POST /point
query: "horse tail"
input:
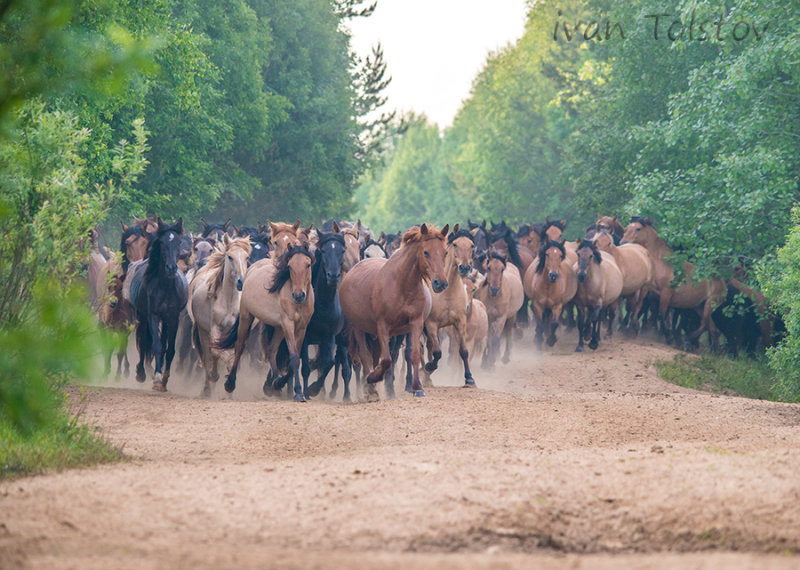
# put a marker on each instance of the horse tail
(144, 341)
(198, 346)
(229, 340)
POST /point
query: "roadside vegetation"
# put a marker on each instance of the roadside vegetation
(744, 376)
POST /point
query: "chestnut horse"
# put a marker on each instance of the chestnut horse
(214, 295)
(388, 297)
(352, 249)
(450, 307)
(637, 271)
(502, 295)
(279, 294)
(702, 296)
(282, 235)
(599, 287)
(550, 283)
(611, 225)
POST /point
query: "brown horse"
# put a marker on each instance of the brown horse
(611, 225)
(637, 271)
(282, 235)
(550, 283)
(599, 287)
(702, 296)
(554, 231)
(352, 249)
(114, 312)
(388, 297)
(502, 295)
(449, 308)
(279, 294)
(214, 297)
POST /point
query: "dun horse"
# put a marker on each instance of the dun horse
(550, 283)
(388, 297)
(215, 294)
(450, 307)
(701, 296)
(158, 293)
(279, 294)
(503, 296)
(599, 287)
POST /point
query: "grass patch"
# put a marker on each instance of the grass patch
(61, 444)
(720, 374)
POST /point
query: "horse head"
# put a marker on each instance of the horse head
(430, 251)
(640, 231)
(202, 248)
(554, 230)
(587, 250)
(330, 253)
(603, 240)
(133, 244)
(237, 253)
(260, 246)
(461, 248)
(551, 254)
(495, 266)
(164, 249)
(283, 235)
(215, 230)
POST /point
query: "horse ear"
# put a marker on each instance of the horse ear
(203, 223)
(423, 229)
(382, 237)
(455, 229)
(226, 225)
(445, 229)
(296, 225)
(336, 228)
(483, 225)
(563, 224)
(474, 231)
(262, 228)
(225, 239)
(180, 225)
(271, 227)
(161, 225)
(309, 228)
(358, 224)
(124, 227)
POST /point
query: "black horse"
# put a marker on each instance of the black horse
(328, 321)
(159, 292)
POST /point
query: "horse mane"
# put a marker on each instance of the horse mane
(215, 262)
(543, 249)
(524, 230)
(323, 238)
(644, 220)
(550, 223)
(134, 230)
(282, 273)
(511, 243)
(459, 234)
(591, 245)
(496, 255)
(414, 234)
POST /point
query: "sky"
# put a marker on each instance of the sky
(435, 48)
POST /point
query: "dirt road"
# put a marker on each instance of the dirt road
(560, 460)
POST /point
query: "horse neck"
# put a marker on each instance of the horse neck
(228, 292)
(319, 282)
(155, 262)
(405, 265)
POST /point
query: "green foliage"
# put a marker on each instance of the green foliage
(64, 443)
(721, 374)
(780, 278)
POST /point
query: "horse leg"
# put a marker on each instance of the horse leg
(611, 312)
(343, 363)
(157, 351)
(305, 368)
(170, 331)
(460, 335)
(385, 358)
(407, 358)
(581, 324)
(551, 338)
(416, 333)
(294, 342)
(595, 341)
(245, 320)
(538, 315)
(326, 360)
(434, 347)
(508, 330)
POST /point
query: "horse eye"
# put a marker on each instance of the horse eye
(231, 258)
(427, 254)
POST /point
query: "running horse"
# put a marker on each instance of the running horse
(279, 294)
(702, 296)
(388, 297)
(158, 292)
(215, 294)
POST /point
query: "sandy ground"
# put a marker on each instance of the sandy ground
(558, 460)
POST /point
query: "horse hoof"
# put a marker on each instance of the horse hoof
(593, 345)
(551, 341)
(469, 383)
(419, 393)
(430, 366)
(159, 387)
(299, 398)
(579, 349)
(313, 391)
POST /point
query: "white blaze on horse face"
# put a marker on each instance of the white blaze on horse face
(171, 236)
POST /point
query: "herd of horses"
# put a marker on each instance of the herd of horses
(275, 290)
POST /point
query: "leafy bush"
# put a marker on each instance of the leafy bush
(746, 376)
(780, 278)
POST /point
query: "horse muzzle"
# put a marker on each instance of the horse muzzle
(438, 286)
(299, 298)
(553, 277)
(463, 270)
(332, 278)
(494, 291)
(581, 277)
(239, 283)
